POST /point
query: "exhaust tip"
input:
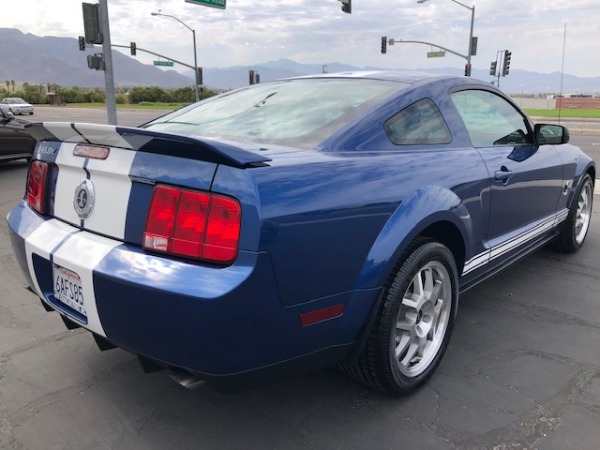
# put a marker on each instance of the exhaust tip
(187, 380)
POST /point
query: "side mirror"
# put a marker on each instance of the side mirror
(550, 134)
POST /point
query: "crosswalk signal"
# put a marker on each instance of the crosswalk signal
(82, 43)
(133, 48)
(506, 66)
(96, 61)
(467, 70)
(493, 67)
(383, 44)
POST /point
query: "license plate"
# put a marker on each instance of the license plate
(68, 289)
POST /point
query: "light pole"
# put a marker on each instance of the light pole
(195, 58)
(472, 9)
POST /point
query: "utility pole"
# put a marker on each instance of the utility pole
(97, 31)
(197, 81)
(472, 49)
(109, 79)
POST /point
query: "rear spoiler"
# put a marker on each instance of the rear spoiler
(142, 140)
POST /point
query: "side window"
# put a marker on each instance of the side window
(491, 120)
(419, 123)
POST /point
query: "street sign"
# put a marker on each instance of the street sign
(212, 3)
(164, 63)
(438, 54)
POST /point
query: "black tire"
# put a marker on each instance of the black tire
(417, 325)
(574, 229)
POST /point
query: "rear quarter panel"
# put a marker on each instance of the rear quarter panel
(334, 223)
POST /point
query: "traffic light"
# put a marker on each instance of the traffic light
(347, 6)
(383, 44)
(506, 66)
(82, 43)
(467, 70)
(493, 67)
(251, 76)
(133, 48)
(200, 80)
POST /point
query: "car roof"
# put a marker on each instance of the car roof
(405, 77)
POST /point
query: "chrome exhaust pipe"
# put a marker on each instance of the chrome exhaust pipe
(187, 380)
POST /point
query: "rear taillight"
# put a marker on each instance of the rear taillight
(36, 186)
(193, 224)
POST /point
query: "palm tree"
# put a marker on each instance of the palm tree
(7, 82)
(12, 82)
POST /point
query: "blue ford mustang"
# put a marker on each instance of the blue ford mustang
(287, 226)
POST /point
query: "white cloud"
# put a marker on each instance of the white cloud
(316, 31)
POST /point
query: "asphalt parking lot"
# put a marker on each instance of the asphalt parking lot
(522, 372)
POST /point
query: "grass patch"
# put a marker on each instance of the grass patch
(577, 113)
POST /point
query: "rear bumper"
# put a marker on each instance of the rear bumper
(214, 322)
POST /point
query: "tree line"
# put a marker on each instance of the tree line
(46, 93)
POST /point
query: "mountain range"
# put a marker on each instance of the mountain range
(58, 60)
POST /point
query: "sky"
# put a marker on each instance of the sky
(539, 33)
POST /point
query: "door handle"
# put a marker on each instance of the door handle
(503, 174)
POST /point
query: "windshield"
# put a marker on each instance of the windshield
(16, 101)
(301, 112)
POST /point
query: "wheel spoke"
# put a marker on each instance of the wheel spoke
(428, 284)
(417, 286)
(435, 292)
(412, 351)
(415, 293)
(405, 340)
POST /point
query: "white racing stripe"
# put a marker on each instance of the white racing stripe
(113, 186)
(78, 251)
(70, 174)
(84, 251)
(500, 249)
(42, 241)
(87, 132)
(67, 246)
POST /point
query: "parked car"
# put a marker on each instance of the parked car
(15, 142)
(17, 105)
(294, 225)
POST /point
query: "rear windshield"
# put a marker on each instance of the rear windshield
(301, 112)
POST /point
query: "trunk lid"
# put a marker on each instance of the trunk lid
(102, 177)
